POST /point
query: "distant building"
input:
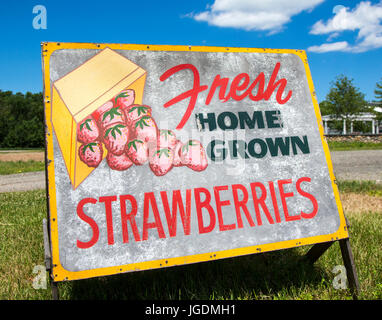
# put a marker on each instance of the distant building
(376, 126)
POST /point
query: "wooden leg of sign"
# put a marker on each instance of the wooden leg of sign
(317, 251)
(48, 260)
(54, 288)
(347, 257)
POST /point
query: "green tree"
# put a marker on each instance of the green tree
(344, 99)
(21, 120)
(378, 91)
(325, 108)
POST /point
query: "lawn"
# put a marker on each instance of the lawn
(272, 275)
(12, 167)
(353, 145)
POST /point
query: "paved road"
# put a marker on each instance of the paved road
(22, 181)
(348, 165)
(358, 165)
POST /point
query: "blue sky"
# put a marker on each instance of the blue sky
(339, 37)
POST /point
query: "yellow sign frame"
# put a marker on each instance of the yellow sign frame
(59, 273)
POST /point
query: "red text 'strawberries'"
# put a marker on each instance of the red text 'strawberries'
(194, 156)
(91, 154)
(161, 161)
(119, 163)
(137, 151)
(116, 138)
(136, 112)
(87, 130)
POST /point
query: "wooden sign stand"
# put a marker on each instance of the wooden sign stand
(347, 256)
(48, 259)
(315, 252)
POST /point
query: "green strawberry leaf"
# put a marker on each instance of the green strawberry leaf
(121, 95)
(117, 126)
(166, 133)
(113, 129)
(86, 123)
(90, 146)
(140, 110)
(112, 112)
(189, 143)
(108, 131)
(133, 143)
(141, 122)
(163, 151)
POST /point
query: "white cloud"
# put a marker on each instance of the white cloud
(327, 47)
(265, 15)
(366, 19)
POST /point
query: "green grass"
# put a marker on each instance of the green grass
(363, 187)
(353, 145)
(274, 275)
(10, 150)
(12, 167)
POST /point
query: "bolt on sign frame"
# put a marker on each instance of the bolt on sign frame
(235, 163)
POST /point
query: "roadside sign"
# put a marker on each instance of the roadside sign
(168, 155)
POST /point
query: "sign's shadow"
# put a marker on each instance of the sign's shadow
(259, 276)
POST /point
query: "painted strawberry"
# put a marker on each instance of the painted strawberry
(116, 138)
(161, 161)
(145, 129)
(109, 115)
(124, 99)
(120, 163)
(101, 110)
(193, 155)
(87, 130)
(177, 160)
(136, 112)
(137, 151)
(114, 116)
(167, 139)
(91, 153)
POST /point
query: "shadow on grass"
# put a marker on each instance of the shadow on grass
(259, 276)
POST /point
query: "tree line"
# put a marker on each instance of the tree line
(22, 115)
(21, 120)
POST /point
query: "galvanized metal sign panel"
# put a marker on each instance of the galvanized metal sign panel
(168, 155)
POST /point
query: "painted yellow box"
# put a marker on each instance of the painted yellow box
(82, 91)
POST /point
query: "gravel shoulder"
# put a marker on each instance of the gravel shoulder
(15, 155)
(348, 165)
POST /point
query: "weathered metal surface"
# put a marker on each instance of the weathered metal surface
(232, 233)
